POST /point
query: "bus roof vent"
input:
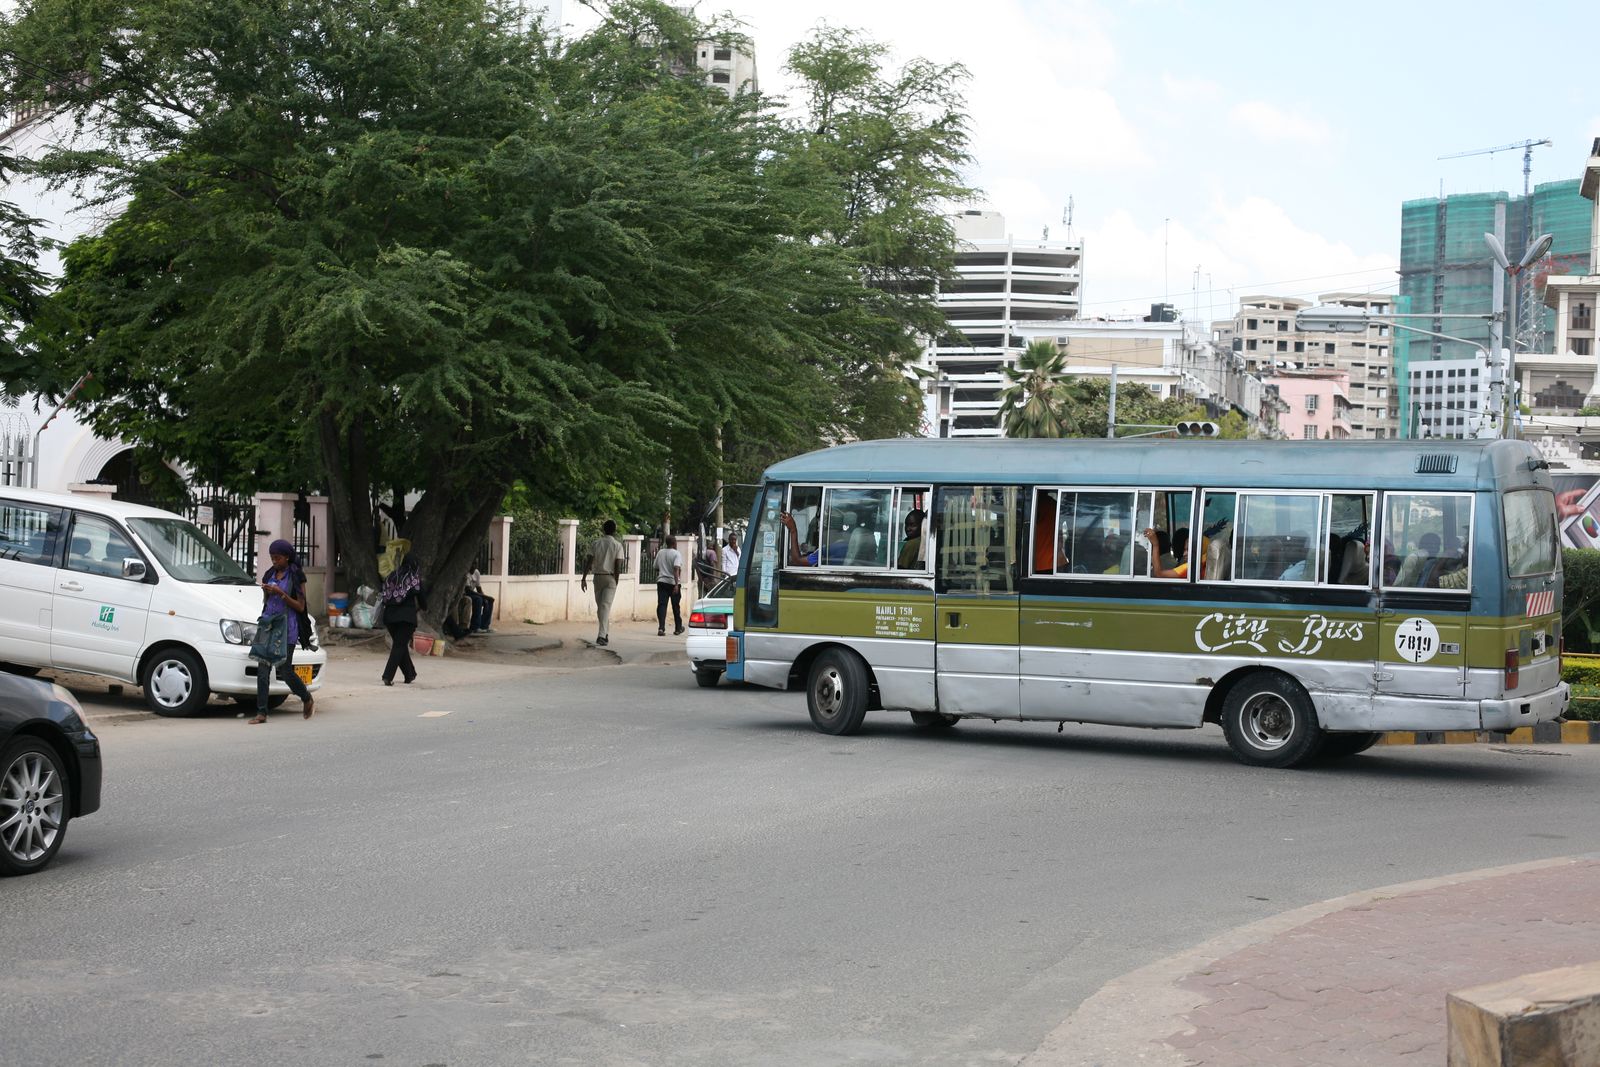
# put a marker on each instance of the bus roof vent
(1436, 463)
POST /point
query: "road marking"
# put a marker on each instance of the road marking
(432, 714)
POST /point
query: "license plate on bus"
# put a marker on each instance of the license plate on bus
(304, 672)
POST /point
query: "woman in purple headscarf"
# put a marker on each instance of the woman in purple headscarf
(283, 590)
(402, 596)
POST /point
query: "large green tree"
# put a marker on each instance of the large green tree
(1040, 399)
(411, 249)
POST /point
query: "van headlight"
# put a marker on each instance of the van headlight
(237, 632)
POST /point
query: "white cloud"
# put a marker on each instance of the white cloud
(1271, 123)
(1247, 246)
(1190, 90)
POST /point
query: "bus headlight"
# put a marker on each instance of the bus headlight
(237, 632)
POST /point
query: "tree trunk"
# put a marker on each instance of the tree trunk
(349, 499)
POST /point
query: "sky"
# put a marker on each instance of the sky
(1213, 148)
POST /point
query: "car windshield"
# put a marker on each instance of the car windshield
(723, 590)
(187, 553)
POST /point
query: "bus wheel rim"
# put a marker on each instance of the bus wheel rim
(829, 693)
(1268, 721)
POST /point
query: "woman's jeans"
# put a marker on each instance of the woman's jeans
(285, 674)
(400, 651)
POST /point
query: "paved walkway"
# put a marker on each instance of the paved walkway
(1357, 980)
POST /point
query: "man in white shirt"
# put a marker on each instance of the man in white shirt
(669, 587)
(606, 559)
(730, 555)
(482, 604)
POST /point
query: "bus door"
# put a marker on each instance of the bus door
(976, 601)
(1426, 581)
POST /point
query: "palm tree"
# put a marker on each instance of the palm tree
(1040, 400)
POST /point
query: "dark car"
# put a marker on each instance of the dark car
(49, 770)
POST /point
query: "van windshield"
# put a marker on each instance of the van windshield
(187, 553)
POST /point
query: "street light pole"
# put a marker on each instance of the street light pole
(1536, 250)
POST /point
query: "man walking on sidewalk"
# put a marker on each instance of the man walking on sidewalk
(669, 586)
(605, 559)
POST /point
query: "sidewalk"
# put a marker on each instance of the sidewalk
(1359, 980)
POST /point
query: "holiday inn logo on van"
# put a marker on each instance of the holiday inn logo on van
(108, 618)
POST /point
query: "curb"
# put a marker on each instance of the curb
(1544, 733)
(1125, 1021)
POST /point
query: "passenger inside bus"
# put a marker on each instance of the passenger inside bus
(1179, 567)
(910, 557)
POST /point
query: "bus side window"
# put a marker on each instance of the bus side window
(1425, 539)
(1215, 546)
(977, 527)
(1044, 531)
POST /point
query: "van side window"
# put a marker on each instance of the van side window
(28, 532)
(98, 547)
(1425, 541)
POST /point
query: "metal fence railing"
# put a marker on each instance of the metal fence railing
(535, 550)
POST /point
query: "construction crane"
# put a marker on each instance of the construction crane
(1527, 156)
(1527, 318)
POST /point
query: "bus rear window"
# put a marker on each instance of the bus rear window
(1530, 532)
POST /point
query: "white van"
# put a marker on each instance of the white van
(130, 593)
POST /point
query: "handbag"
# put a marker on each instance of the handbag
(271, 645)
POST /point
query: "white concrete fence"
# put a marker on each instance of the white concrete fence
(517, 597)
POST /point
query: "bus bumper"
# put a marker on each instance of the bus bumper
(1525, 711)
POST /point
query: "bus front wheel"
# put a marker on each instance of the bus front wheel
(836, 692)
(1269, 722)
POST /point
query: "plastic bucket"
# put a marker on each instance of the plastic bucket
(422, 644)
(339, 602)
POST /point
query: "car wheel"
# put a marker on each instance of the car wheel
(175, 683)
(934, 719)
(707, 677)
(33, 806)
(1269, 722)
(1339, 746)
(836, 692)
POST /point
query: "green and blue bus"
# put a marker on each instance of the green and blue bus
(1306, 596)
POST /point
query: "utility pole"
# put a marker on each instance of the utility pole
(1111, 405)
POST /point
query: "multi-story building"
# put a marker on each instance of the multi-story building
(1446, 267)
(1264, 335)
(1452, 397)
(1574, 297)
(1317, 404)
(1000, 284)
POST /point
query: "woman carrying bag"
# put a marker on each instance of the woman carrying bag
(283, 592)
(402, 597)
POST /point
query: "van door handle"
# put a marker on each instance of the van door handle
(955, 620)
(72, 587)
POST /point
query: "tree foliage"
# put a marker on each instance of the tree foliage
(20, 280)
(414, 249)
(1040, 399)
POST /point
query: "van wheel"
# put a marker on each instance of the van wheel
(1269, 722)
(1338, 746)
(175, 683)
(707, 677)
(934, 719)
(836, 692)
(33, 805)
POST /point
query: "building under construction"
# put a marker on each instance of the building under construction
(1446, 267)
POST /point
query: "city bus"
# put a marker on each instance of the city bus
(1305, 596)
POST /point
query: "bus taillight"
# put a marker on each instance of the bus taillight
(1512, 669)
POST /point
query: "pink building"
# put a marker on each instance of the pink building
(1319, 404)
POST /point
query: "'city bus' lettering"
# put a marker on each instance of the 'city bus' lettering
(1222, 630)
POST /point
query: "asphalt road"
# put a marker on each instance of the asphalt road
(612, 866)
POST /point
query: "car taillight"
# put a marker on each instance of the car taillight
(1512, 670)
(698, 618)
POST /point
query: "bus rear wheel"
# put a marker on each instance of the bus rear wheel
(1269, 722)
(836, 692)
(934, 719)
